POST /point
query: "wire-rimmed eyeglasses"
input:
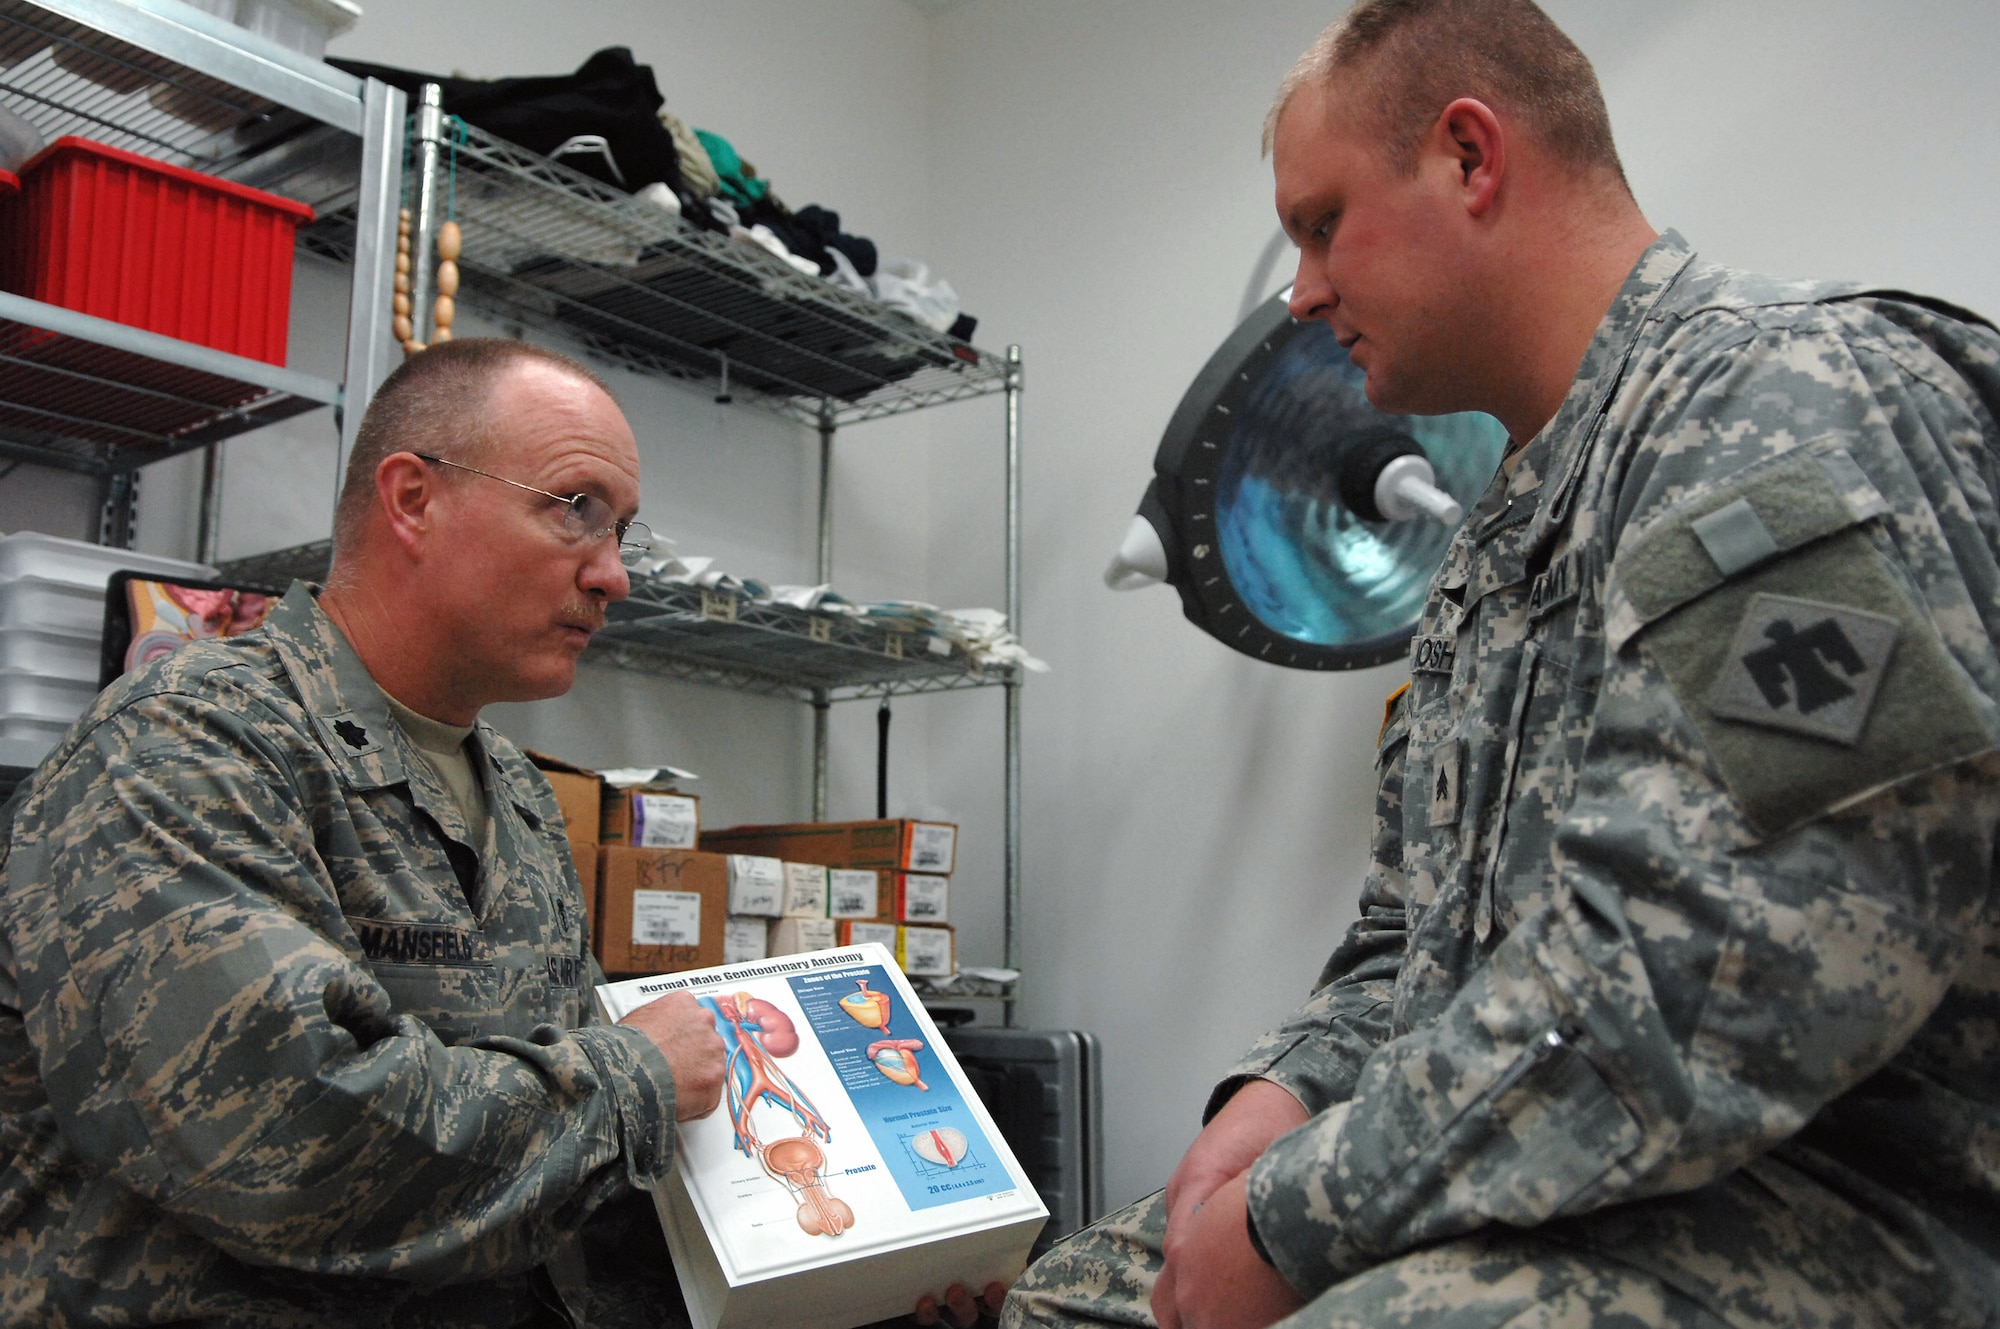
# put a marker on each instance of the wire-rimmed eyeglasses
(586, 517)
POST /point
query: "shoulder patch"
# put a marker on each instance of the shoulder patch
(1816, 680)
(1805, 666)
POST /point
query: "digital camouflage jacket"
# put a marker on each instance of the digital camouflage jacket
(1684, 850)
(280, 1045)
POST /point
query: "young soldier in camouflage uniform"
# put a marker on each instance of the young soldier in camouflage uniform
(295, 1009)
(1675, 997)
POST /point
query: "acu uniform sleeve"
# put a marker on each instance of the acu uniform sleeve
(208, 1043)
(1754, 910)
(1318, 1050)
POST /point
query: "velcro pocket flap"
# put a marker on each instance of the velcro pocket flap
(1766, 509)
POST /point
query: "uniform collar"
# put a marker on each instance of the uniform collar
(347, 706)
(335, 687)
(1551, 464)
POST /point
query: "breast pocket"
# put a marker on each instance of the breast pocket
(457, 1003)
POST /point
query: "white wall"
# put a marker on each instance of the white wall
(1086, 174)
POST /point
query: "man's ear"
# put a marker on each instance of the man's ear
(1469, 132)
(405, 488)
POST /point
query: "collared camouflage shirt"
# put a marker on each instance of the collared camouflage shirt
(1684, 850)
(279, 1042)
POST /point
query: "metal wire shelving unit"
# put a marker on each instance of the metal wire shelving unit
(172, 82)
(643, 289)
(732, 640)
(648, 291)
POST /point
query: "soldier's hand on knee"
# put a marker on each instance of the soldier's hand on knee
(959, 1307)
(684, 1032)
(1235, 1138)
(1213, 1278)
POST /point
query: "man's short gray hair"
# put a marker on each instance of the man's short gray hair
(434, 402)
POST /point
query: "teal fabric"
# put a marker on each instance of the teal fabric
(738, 186)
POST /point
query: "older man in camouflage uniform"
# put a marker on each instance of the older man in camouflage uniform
(1675, 998)
(295, 1013)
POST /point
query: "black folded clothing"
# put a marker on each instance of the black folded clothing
(825, 223)
(610, 95)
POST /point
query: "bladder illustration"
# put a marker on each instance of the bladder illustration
(866, 1007)
(894, 1057)
(757, 1033)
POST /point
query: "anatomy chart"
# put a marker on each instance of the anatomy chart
(846, 1127)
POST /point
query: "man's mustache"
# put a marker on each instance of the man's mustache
(583, 615)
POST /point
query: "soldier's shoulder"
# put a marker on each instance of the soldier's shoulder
(1713, 308)
(211, 686)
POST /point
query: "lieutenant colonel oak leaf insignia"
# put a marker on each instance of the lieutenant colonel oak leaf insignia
(351, 734)
(1806, 667)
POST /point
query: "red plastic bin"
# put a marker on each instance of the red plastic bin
(126, 238)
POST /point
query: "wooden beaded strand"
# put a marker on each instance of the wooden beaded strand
(450, 243)
(402, 326)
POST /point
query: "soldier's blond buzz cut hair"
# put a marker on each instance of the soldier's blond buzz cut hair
(1404, 61)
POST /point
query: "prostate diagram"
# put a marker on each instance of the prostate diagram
(758, 1035)
(894, 1057)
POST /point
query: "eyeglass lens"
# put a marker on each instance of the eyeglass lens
(587, 517)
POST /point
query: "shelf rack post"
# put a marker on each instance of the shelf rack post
(822, 705)
(208, 527)
(424, 216)
(370, 317)
(1012, 921)
(826, 428)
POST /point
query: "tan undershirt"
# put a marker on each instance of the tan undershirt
(443, 746)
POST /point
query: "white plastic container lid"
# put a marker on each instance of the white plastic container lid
(77, 563)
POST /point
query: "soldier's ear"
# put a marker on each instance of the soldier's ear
(405, 488)
(1470, 135)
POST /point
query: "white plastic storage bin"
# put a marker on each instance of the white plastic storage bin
(302, 25)
(35, 712)
(53, 606)
(71, 655)
(51, 558)
(39, 697)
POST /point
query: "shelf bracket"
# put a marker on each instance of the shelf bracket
(118, 519)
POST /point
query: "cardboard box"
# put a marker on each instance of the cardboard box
(651, 818)
(861, 893)
(791, 936)
(927, 952)
(805, 891)
(660, 910)
(896, 844)
(922, 898)
(756, 886)
(860, 933)
(745, 939)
